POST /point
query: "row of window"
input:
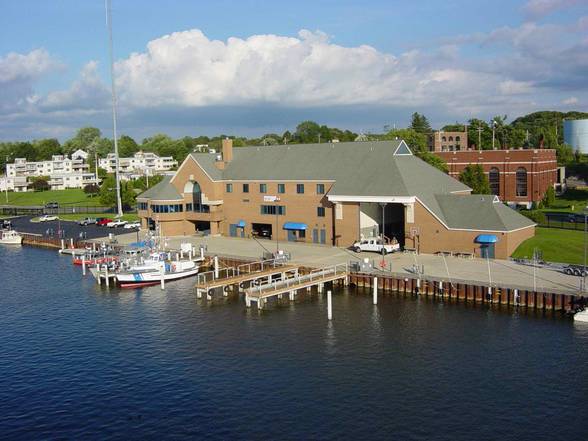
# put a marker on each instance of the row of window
(173, 208)
(520, 181)
(320, 188)
(281, 210)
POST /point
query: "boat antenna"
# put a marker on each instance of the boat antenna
(113, 89)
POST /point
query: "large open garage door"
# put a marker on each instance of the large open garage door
(372, 217)
(263, 231)
(394, 222)
(201, 227)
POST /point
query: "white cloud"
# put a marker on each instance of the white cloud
(511, 87)
(540, 8)
(571, 101)
(19, 67)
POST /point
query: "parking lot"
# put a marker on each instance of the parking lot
(70, 229)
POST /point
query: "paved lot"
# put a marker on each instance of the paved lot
(502, 272)
(71, 229)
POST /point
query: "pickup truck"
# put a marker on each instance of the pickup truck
(376, 245)
(87, 221)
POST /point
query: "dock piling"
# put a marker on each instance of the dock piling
(83, 264)
(161, 274)
(329, 305)
(375, 294)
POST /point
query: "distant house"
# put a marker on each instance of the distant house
(141, 164)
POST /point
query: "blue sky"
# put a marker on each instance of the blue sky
(252, 67)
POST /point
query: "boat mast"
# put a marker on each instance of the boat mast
(110, 51)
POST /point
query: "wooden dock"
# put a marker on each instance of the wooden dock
(262, 293)
(240, 276)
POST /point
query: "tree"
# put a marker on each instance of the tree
(127, 146)
(307, 132)
(434, 160)
(565, 154)
(40, 183)
(91, 189)
(549, 198)
(83, 139)
(108, 192)
(46, 148)
(416, 141)
(420, 123)
(474, 177)
(141, 182)
(517, 138)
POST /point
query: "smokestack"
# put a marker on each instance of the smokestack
(227, 150)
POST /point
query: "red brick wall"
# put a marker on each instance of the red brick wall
(541, 166)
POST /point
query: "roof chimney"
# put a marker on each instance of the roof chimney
(227, 150)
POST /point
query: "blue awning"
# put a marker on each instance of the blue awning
(295, 226)
(486, 238)
(241, 224)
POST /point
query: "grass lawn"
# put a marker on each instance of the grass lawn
(72, 196)
(572, 201)
(75, 217)
(557, 245)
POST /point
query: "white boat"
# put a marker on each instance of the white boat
(10, 237)
(136, 278)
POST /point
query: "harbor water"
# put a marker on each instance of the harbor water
(78, 361)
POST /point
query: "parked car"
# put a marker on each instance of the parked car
(87, 221)
(377, 245)
(263, 233)
(132, 225)
(575, 270)
(52, 205)
(116, 223)
(103, 221)
(48, 218)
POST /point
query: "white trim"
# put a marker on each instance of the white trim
(276, 181)
(376, 199)
(481, 162)
(197, 163)
(402, 154)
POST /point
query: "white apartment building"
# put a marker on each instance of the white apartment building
(141, 164)
(63, 172)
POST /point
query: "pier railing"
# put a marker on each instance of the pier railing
(245, 268)
(315, 276)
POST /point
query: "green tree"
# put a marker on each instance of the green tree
(420, 124)
(517, 138)
(565, 154)
(46, 148)
(307, 132)
(434, 160)
(108, 192)
(474, 177)
(127, 146)
(40, 183)
(415, 140)
(479, 134)
(141, 182)
(549, 198)
(83, 139)
(92, 189)
(24, 150)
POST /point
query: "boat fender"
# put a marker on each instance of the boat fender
(173, 267)
(226, 288)
(242, 285)
(257, 282)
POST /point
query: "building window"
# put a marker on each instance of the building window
(444, 139)
(451, 138)
(282, 188)
(197, 205)
(521, 178)
(320, 188)
(494, 178)
(457, 139)
(229, 188)
(245, 188)
(271, 209)
(301, 234)
(188, 207)
(263, 188)
(320, 211)
(300, 188)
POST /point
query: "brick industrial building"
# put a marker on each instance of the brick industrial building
(331, 193)
(518, 177)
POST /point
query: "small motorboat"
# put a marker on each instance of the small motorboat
(136, 278)
(10, 237)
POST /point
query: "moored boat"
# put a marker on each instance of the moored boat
(10, 237)
(136, 278)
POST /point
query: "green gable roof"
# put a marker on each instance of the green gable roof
(480, 212)
(163, 191)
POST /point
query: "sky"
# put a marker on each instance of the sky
(253, 67)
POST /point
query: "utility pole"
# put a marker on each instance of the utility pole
(479, 137)
(6, 179)
(493, 133)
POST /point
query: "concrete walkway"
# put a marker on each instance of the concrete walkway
(502, 272)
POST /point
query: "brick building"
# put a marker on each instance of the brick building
(331, 193)
(441, 141)
(517, 177)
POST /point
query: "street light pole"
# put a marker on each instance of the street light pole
(277, 221)
(585, 244)
(6, 179)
